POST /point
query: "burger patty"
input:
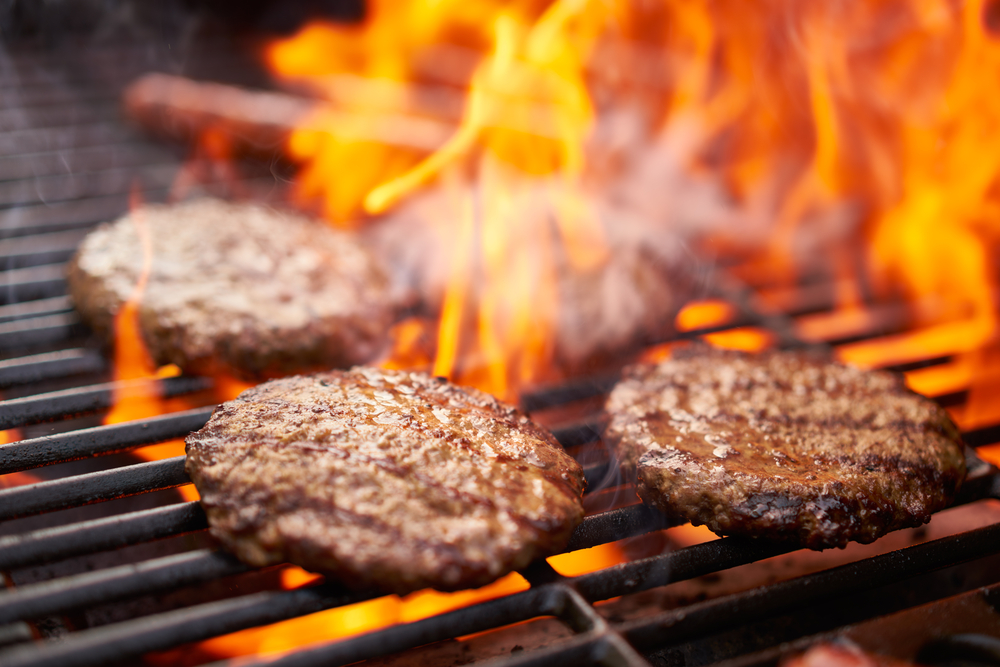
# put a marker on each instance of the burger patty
(385, 479)
(237, 288)
(783, 445)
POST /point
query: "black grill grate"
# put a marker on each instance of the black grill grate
(67, 162)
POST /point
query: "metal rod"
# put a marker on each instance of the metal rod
(60, 216)
(578, 434)
(617, 524)
(27, 454)
(35, 368)
(36, 282)
(39, 330)
(115, 583)
(60, 404)
(85, 537)
(121, 641)
(62, 187)
(92, 488)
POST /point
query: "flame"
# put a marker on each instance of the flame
(412, 347)
(136, 394)
(210, 161)
(575, 563)
(525, 121)
(14, 478)
(514, 163)
(350, 620)
(704, 314)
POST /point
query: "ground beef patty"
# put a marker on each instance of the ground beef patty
(236, 287)
(384, 478)
(784, 445)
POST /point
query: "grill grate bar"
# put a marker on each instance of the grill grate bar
(92, 488)
(39, 330)
(579, 650)
(89, 211)
(567, 393)
(617, 524)
(116, 583)
(51, 306)
(595, 475)
(578, 434)
(59, 115)
(56, 241)
(105, 157)
(60, 404)
(730, 611)
(43, 140)
(82, 443)
(683, 564)
(94, 183)
(47, 94)
(52, 544)
(130, 639)
(63, 363)
(60, 216)
(34, 282)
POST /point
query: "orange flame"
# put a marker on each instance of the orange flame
(14, 478)
(136, 394)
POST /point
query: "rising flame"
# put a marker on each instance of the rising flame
(514, 162)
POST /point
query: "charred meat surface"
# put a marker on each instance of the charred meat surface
(784, 445)
(388, 479)
(237, 288)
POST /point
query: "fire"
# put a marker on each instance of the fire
(347, 621)
(15, 478)
(514, 162)
(137, 395)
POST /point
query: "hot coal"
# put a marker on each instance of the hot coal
(237, 288)
(784, 445)
(384, 479)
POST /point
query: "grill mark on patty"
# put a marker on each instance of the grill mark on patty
(297, 428)
(769, 440)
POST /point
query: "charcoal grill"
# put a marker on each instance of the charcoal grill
(104, 564)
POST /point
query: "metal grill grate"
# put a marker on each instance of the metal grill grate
(55, 381)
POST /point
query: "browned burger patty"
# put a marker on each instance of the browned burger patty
(785, 446)
(384, 478)
(236, 287)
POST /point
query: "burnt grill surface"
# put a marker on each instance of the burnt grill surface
(104, 562)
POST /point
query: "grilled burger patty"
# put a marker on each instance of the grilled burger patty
(236, 287)
(784, 445)
(389, 479)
